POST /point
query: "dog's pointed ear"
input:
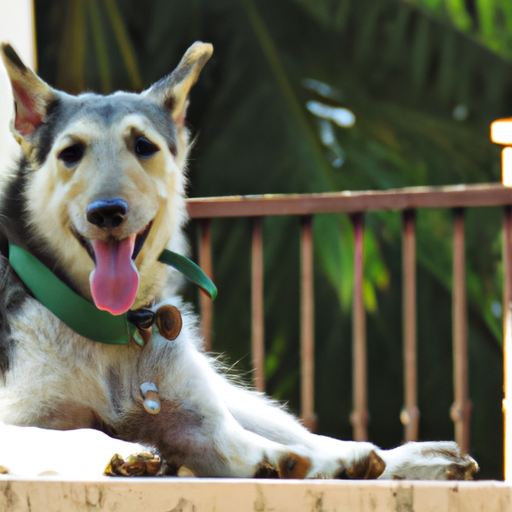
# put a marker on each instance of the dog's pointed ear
(32, 96)
(172, 91)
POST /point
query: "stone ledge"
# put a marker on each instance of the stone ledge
(55, 494)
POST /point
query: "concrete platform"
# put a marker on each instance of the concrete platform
(55, 494)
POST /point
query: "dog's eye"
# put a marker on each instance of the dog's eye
(72, 154)
(144, 148)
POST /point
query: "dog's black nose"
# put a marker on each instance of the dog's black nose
(107, 213)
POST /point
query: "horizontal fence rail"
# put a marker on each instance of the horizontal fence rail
(406, 200)
(458, 196)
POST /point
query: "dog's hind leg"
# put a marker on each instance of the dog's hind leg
(330, 458)
(434, 460)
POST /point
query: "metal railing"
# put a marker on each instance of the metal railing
(406, 200)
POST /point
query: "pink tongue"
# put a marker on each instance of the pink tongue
(115, 280)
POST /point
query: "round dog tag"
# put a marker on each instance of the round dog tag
(169, 322)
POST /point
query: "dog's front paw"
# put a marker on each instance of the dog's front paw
(139, 464)
(345, 460)
(441, 460)
(290, 465)
(369, 467)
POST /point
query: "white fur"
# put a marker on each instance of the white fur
(79, 372)
(58, 379)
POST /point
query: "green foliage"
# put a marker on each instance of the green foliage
(272, 113)
(489, 21)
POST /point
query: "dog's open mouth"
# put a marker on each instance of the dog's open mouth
(115, 279)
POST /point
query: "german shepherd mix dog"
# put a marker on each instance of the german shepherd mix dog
(97, 196)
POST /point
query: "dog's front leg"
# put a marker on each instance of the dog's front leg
(194, 427)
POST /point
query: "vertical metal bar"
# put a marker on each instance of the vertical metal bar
(359, 415)
(461, 408)
(205, 262)
(410, 412)
(307, 326)
(507, 340)
(258, 333)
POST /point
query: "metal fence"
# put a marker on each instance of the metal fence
(406, 200)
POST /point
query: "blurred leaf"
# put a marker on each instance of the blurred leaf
(489, 21)
(100, 46)
(272, 55)
(334, 241)
(125, 45)
(71, 75)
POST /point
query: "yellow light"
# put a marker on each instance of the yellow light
(501, 131)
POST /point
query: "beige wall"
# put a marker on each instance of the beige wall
(16, 27)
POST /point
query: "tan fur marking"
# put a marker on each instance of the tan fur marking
(460, 472)
(293, 466)
(443, 452)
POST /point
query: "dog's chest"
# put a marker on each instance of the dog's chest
(53, 377)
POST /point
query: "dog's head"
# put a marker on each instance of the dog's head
(103, 182)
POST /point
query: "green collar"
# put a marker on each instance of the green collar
(79, 314)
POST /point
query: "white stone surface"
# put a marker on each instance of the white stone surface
(226, 495)
(81, 453)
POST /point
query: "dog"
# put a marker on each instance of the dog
(96, 198)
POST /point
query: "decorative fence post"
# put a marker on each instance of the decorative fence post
(501, 133)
